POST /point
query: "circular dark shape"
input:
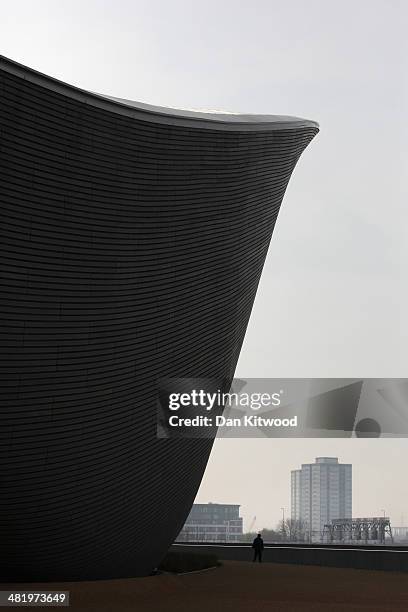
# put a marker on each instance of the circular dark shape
(368, 428)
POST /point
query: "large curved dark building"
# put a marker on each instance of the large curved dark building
(132, 243)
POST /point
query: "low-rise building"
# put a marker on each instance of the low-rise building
(212, 523)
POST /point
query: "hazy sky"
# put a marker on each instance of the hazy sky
(333, 299)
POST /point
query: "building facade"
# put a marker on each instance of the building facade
(212, 523)
(400, 533)
(132, 241)
(321, 492)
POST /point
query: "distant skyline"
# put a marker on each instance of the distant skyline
(333, 298)
(374, 489)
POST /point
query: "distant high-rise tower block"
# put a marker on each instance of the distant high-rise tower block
(320, 492)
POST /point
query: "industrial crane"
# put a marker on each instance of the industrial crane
(252, 525)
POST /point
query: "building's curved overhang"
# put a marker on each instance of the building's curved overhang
(214, 120)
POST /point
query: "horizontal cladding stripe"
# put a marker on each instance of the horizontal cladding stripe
(35, 239)
(86, 359)
(82, 354)
(95, 139)
(130, 249)
(71, 124)
(124, 204)
(145, 177)
(17, 227)
(205, 161)
(125, 310)
(127, 454)
(237, 208)
(206, 164)
(75, 493)
(142, 336)
(112, 457)
(85, 350)
(88, 531)
(64, 298)
(23, 167)
(33, 281)
(65, 308)
(121, 208)
(38, 132)
(87, 130)
(104, 157)
(126, 260)
(143, 259)
(145, 328)
(145, 152)
(169, 190)
(93, 354)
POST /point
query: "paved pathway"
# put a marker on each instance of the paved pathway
(245, 587)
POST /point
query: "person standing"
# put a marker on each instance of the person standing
(258, 546)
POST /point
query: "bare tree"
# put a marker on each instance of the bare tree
(293, 530)
(282, 530)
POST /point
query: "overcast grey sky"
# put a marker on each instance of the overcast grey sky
(333, 297)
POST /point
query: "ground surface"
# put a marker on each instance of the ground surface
(243, 587)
